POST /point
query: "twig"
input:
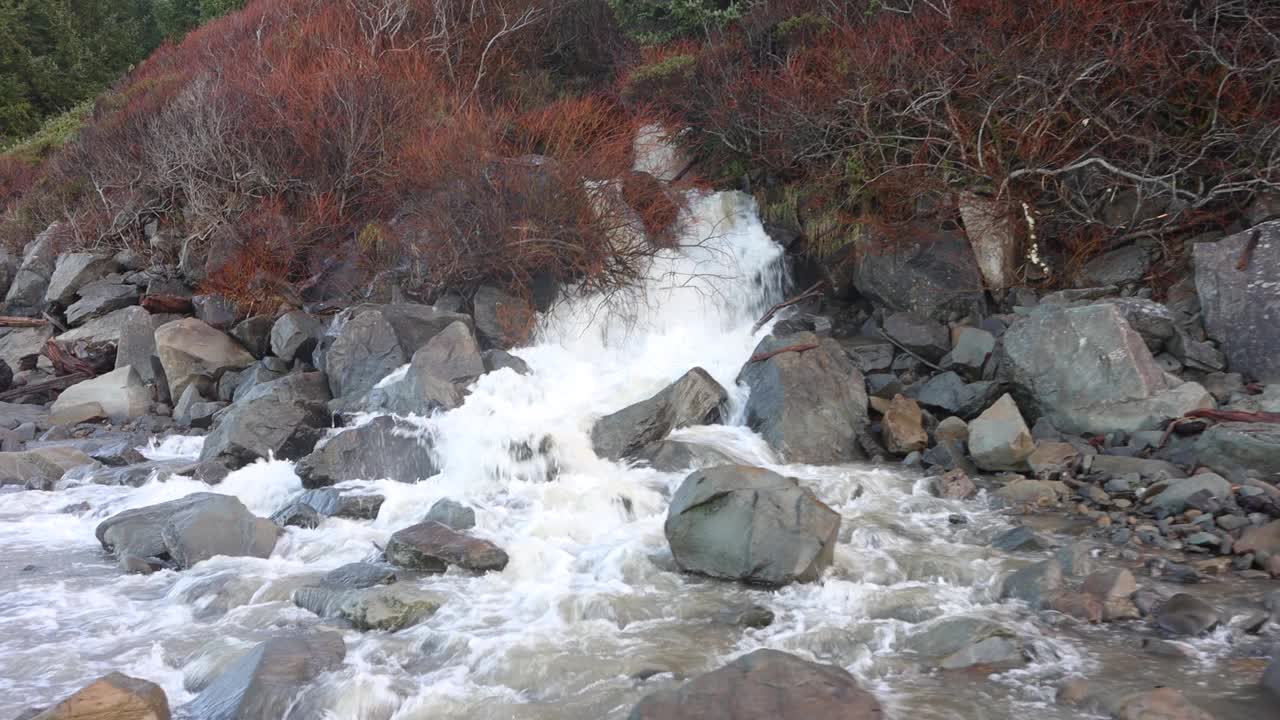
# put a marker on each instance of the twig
(59, 383)
(811, 292)
(1247, 253)
(22, 322)
(798, 347)
(898, 345)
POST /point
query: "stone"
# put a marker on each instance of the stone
(952, 428)
(366, 343)
(1144, 467)
(502, 321)
(1186, 615)
(1019, 539)
(989, 227)
(1022, 493)
(920, 335)
(265, 682)
(956, 643)
(1081, 606)
(432, 547)
(1260, 539)
(1123, 266)
(254, 333)
(73, 271)
(40, 468)
(215, 311)
(112, 697)
(1236, 448)
(808, 405)
(677, 455)
(30, 281)
(949, 393)
(118, 396)
(282, 419)
(329, 502)
(954, 485)
(297, 514)
(437, 371)
(869, 354)
(763, 685)
(1051, 458)
(736, 522)
(192, 352)
(387, 607)
(999, 438)
(256, 374)
(188, 530)
(903, 427)
(1087, 371)
(1172, 494)
(1034, 584)
(883, 385)
(1158, 704)
(1111, 584)
(495, 360)
(970, 351)
(1241, 308)
(658, 153)
(934, 275)
(451, 513)
(98, 299)
(383, 448)
(136, 346)
(1271, 678)
(359, 575)
(295, 336)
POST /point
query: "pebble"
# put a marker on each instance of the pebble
(1232, 522)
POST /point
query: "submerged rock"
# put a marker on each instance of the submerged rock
(1185, 614)
(1159, 704)
(384, 448)
(764, 685)
(434, 546)
(452, 513)
(375, 606)
(742, 523)
(695, 399)
(264, 682)
(958, 643)
(809, 405)
(189, 530)
(112, 697)
(677, 455)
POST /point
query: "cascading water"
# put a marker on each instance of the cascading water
(589, 615)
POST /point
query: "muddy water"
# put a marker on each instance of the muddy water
(589, 603)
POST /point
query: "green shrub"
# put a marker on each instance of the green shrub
(56, 131)
(653, 22)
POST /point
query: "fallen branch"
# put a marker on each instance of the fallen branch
(898, 345)
(22, 322)
(798, 347)
(811, 292)
(1219, 416)
(59, 383)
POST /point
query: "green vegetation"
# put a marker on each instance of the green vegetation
(652, 22)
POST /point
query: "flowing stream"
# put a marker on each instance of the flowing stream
(589, 615)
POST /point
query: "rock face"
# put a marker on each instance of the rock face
(382, 448)
(936, 275)
(695, 399)
(1242, 307)
(743, 523)
(999, 438)
(265, 681)
(764, 685)
(192, 352)
(188, 530)
(283, 418)
(1239, 447)
(1087, 371)
(112, 697)
(502, 321)
(118, 395)
(433, 547)
(904, 427)
(808, 405)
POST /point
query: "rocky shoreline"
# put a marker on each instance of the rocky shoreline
(1151, 430)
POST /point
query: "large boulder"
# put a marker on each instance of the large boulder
(1185, 614)
(98, 299)
(283, 418)
(432, 546)
(808, 404)
(1087, 371)
(1236, 448)
(190, 351)
(921, 335)
(27, 290)
(949, 393)
(73, 271)
(764, 685)
(188, 530)
(23, 346)
(118, 396)
(112, 697)
(695, 399)
(382, 448)
(999, 438)
(503, 321)
(743, 523)
(40, 468)
(295, 335)
(931, 272)
(265, 681)
(435, 376)
(366, 342)
(1238, 279)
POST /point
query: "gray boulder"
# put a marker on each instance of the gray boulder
(295, 335)
(869, 354)
(677, 455)
(451, 513)
(192, 352)
(329, 502)
(743, 523)
(435, 376)
(1172, 494)
(1186, 615)
(999, 438)
(695, 399)
(297, 514)
(1087, 371)
(935, 275)
(433, 547)
(23, 345)
(764, 685)
(925, 337)
(1034, 584)
(969, 354)
(1236, 448)
(366, 342)
(98, 299)
(118, 396)
(961, 642)
(1242, 307)
(136, 345)
(359, 575)
(259, 373)
(503, 321)
(40, 468)
(949, 393)
(809, 405)
(382, 448)
(188, 530)
(495, 360)
(254, 333)
(1123, 266)
(265, 681)
(73, 271)
(27, 290)
(283, 418)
